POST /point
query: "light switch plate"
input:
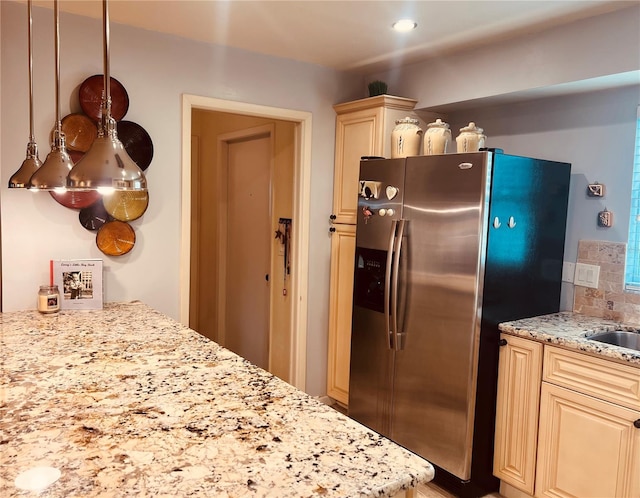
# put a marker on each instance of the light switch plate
(568, 271)
(587, 275)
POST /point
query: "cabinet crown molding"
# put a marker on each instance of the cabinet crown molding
(387, 101)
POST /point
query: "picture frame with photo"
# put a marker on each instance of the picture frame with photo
(79, 282)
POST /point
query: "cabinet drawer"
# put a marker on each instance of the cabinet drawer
(603, 379)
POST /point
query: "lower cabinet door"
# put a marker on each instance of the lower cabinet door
(586, 447)
(519, 374)
(343, 250)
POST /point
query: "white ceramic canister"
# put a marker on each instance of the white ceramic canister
(405, 138)
(471, 138)
(436, 138)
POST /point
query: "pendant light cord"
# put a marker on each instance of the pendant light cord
(32, 137)
(107, 76)
(57, 49)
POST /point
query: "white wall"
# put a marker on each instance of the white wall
(591, 48)
(156, 70)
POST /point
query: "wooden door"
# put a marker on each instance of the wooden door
(248, 242)
(519, 378)
(586, 447)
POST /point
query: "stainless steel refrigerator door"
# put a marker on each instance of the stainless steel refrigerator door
(445, 205)
(371, 352)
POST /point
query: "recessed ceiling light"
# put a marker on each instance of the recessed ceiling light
(404, 25)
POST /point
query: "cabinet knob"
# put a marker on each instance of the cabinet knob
(502, 342)
(636, 424)
(332, 217)
(332, 229)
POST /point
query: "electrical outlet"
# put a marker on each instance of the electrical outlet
(587, 275)
(568, 271)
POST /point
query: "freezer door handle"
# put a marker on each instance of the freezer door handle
(387, 285)
(394, 286)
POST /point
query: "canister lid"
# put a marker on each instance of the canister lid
(472, 128)
(438, 123)
(407, 120)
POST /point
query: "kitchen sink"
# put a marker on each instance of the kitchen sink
(622, 338)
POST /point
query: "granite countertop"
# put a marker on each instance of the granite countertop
(570, 330)
(126, 401)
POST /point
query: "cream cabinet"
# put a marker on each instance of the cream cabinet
(363, 128)
(587, 447)
(520, 367)
(343, 248)
(585, 434)
(589, 435)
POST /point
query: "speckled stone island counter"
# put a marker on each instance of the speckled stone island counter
(571, 330)
(127, 402)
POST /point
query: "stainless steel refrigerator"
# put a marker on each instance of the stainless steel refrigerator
(447, 247)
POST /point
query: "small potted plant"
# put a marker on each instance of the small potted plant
(377, 88)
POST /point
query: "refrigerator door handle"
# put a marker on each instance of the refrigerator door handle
(394, 287)
(387, 284)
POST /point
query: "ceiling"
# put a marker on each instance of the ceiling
(344, 35)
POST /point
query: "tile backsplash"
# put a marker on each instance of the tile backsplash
(609, 300)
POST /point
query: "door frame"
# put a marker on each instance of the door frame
(301, 212)
(223, 212)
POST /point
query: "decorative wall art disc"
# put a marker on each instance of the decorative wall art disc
(76, 199)
(126, 205)
(79, 131)
(90, 96)
(94, 216)
(137, 143)
(115, 238)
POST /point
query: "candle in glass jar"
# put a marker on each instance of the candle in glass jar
(48, 299)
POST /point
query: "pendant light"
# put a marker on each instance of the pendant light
(52, 175)
(106, 166)
(20, 178)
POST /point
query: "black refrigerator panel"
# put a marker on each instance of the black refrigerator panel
(523, 274)
(526, 237)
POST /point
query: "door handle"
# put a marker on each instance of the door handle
(387, 284)
(399, 336)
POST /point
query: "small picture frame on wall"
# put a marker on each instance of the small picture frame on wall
(79, 282)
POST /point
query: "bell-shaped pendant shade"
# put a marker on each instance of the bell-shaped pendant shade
(30, 165)
(52, 175)
(20, 178)
(106, 166)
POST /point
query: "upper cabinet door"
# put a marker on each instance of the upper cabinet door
(363, 128)
(357, 135)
